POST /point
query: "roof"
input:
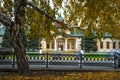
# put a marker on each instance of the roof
(59, 18)
(107, 35)
(76, 35)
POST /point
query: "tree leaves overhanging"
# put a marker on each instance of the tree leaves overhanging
(99, 15)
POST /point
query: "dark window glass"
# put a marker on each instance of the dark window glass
(48, 45)
(114, 45)
(119, 44)
(73, 45)
(108, 45)
(53, 45)
(101, 45)
(68, 46)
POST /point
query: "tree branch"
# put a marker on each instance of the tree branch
(49, 16)
(44, 13)
(6, 21)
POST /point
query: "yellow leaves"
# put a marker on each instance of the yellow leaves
(74, 11)
(7, 1)
(59, 2)
(52, 75)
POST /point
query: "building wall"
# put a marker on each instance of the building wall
(62, 44)
(75, 41)
(105, 49)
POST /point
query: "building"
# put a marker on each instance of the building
(73, 40)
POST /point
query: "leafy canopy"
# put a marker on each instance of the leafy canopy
(101, 16)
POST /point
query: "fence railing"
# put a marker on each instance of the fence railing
(62, 59)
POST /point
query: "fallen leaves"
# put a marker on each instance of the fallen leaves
(61, 75)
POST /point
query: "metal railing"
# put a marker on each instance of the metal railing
(61, 59)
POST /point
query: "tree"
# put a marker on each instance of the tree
(7, 40)
(33, 43)
(89, 44)
(100, 15)
(12, 16)
(24, 37)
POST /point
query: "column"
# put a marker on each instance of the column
(55, 45)
(65, 44)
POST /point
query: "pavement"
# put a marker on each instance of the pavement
(63, 67)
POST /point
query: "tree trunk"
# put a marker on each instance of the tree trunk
(22, 62)
(20, 51)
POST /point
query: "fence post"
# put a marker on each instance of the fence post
(47, 60)
(115, 64)
(80, 60)
(13, 60)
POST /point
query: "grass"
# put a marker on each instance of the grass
(61, 75)
(90, 55)
(86, 55)
(96, 55)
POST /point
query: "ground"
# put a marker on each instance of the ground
(61, 75)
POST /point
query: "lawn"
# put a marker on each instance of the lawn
(95, 55)
(62, 75)
(86, 55)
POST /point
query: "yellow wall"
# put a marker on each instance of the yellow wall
(77, 42)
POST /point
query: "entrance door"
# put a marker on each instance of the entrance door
(60, 44)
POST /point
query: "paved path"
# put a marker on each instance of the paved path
(58, 67)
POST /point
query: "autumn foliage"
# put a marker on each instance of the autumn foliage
(53, 75)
